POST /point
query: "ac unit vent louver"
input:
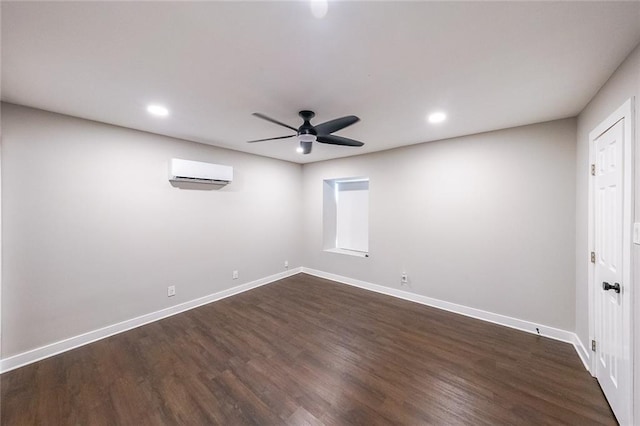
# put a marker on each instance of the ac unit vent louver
(199, 172)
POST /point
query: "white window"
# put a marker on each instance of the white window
(346, 215)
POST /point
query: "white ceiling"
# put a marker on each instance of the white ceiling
(488, 65)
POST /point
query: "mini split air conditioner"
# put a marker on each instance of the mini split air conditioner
(196, 171)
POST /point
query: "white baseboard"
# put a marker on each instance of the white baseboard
(518, 324)
(582, 351)
(52, 349)
(56, 348)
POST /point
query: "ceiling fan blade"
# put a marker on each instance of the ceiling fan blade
(335, 125)
(338, 140)
(274, 121)
(271, 139)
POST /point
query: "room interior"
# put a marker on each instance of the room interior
(483, 216)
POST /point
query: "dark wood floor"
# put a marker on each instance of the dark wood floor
(309, 351)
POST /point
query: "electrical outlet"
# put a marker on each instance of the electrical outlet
(171, 290)
(404, 279)
(235, 275)
(286, 264)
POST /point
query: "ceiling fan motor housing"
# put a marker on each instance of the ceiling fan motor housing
(307, 128)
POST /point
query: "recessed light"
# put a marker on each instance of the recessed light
(319, 8)
(158, 110)
(437, 117)
(299, 150)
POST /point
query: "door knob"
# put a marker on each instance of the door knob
(615, 287)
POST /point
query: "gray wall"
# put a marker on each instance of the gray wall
(622, 85)
(486, 221)
(93, 232)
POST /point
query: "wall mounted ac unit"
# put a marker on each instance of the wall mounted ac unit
(196, 171)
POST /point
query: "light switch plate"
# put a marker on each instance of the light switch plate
(636, 233)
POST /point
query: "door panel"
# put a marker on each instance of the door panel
(612, 368)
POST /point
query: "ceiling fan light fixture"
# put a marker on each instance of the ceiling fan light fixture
(305, 147)
(307, 137)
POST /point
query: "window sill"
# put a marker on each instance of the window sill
(348, 252)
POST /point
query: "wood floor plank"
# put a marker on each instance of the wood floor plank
(307, 351)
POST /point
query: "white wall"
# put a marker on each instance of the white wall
(93, 232)
(485, 221)
(352, 216)
(622, 85)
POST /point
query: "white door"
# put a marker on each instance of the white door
(613, 367)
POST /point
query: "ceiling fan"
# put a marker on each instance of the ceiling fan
(308, 133)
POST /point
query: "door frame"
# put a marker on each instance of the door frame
(625, 111)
